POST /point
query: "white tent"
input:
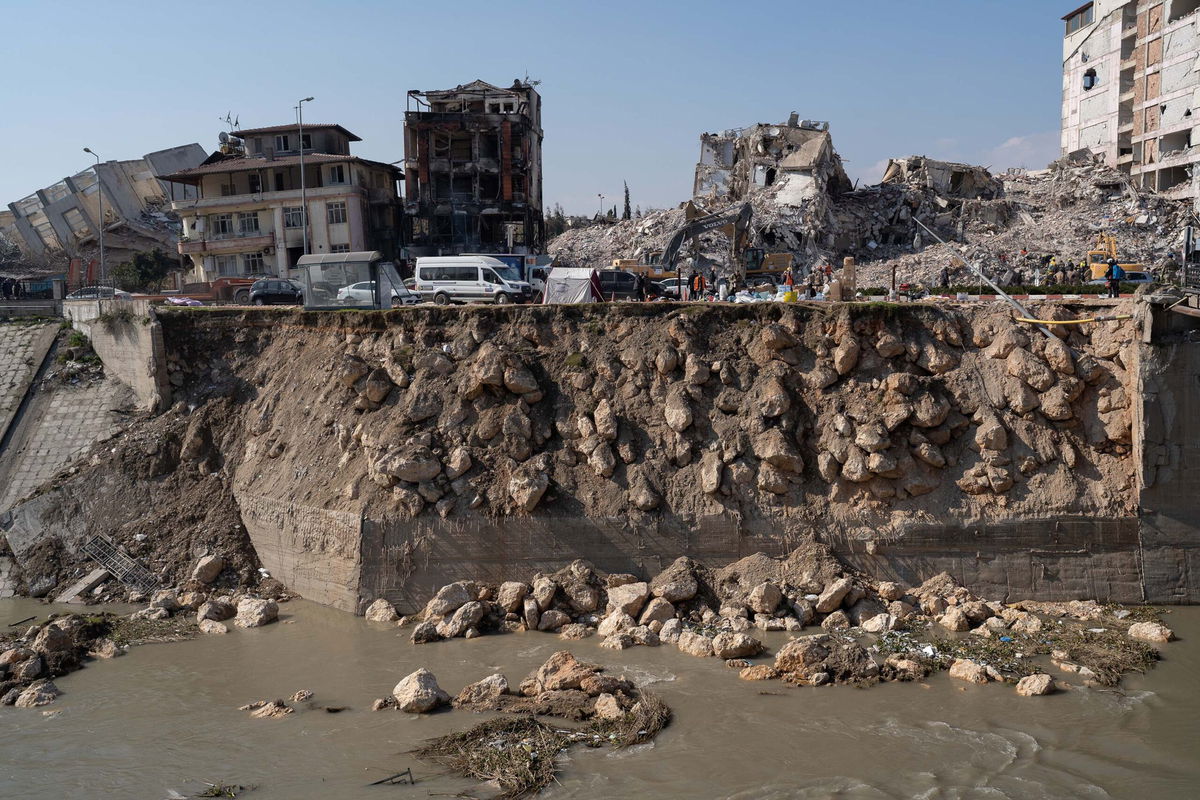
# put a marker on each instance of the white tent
(572, 285)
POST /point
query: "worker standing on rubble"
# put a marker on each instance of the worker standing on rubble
(697, 286)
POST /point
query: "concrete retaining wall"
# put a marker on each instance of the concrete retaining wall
(127, 336)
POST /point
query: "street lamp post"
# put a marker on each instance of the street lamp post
(601, 204)
(100, 222)
(303, 187)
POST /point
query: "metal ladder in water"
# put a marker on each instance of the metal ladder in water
(122, 567)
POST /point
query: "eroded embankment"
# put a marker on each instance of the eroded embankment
(384, 454)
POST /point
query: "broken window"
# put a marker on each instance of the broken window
(463, 187)
(770, 176)
(460, 147)
(1089, 80)
(76, 221)
(441, 145)
(489, 187)
(489, 145)
(441, 186)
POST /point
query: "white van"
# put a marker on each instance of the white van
(465, 279)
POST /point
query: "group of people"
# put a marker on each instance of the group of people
(11, 289)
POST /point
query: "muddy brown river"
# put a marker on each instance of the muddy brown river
(163, 719)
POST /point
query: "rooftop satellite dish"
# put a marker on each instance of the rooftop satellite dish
(223, 138)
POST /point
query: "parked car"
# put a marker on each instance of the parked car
(1130, 277)
(99, 293)
(670, 287)
(462, 279)
(618, 284)
(275, 291)
(363, 294)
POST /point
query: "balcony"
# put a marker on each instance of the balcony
(290, 197)
(228, 244)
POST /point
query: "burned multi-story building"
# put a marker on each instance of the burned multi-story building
(473, 170)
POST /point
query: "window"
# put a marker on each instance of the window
(282, 143)
(1080, 19)
(257, 144)
(225, 265)
(279, 181)
(222, 225)
(337, 173)
(226, 189)
(491, 277)
(1090, 80)
(247, 224)
(306, 142)
(293, 217)
(339, 248)
(335, 212)
(255, 183)
(253, 262)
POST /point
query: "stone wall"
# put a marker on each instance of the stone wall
(23, 348)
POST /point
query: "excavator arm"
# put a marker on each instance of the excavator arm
(740, 219)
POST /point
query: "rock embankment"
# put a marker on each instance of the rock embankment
(870, 630)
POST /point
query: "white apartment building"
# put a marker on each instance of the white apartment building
(249, 216)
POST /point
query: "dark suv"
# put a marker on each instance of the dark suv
(617, 284)
(269, 291)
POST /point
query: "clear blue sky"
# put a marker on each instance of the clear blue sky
(628, 86)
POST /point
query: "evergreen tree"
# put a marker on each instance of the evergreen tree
(628, 213)
(144, 271)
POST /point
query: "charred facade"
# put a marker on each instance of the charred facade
(473, 170)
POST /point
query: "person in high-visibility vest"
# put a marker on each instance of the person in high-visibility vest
(697, 286)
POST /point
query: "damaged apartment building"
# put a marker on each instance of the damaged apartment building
(473, 170)
(246, 213)
(61, 221)
(1131, 90)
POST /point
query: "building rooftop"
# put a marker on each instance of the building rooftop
(293, 126)
(194, 175)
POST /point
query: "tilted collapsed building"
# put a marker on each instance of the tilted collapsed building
(62, 219)
(473, 170)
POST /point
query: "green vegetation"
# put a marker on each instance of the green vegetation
(575, 361)
(145, 271)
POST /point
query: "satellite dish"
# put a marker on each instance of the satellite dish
(223, 138)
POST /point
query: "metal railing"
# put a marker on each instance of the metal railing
(121, 566)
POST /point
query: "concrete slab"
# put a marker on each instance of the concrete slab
(84, 584)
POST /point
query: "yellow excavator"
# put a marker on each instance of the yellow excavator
(1104, 249)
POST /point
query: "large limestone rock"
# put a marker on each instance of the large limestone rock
(834, 593)
(216, 610)
(208, 568)
(211, 626)
(419, 693)
(628, 599)
(774, 447)
(802, 656)
(381, 611)
(510, 596)
(526, 489)
(764, 598)
(1027, 367)
(657, 610)
(560, 672)
(694, 644)
(425, 633)
(1035, 685)
(735, 645)
(37, 694)
(1148, 632)
(552, 620)
(964, 669)
(253, 612)
(52, 640)
(449, 599)
(482, 691)
(955, 619)
(465, 617)
(677, 583)
(677, 412)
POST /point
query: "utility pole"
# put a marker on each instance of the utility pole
(600, 213)
(100, 222)
(303, 187)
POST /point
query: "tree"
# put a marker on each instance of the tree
(628, 213)
(144, 271)
(556, 222)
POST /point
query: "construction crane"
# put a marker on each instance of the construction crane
(737, 223)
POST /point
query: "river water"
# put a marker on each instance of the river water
(164, 719)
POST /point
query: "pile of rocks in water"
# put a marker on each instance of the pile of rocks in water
(562, 687)
(29, 662)
(213, 607)
(711, 613)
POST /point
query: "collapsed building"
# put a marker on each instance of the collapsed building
(473, 170)
(61, 220)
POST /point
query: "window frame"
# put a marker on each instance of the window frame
(337, 174)
(245, 217)
(293, 217)
(252, 260)
(339, 248)
(282, 143)
(336, 208)
(221, 225)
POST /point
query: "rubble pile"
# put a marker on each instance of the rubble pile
(1058, 211)
(872, 630)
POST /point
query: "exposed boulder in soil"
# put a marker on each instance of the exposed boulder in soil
(37, 694)
(735, 645)
(628, 599)
(419, 693)
(483, 691)
(449, 599)
(964, 669)
(695, 644)
(216, 610)
(208, 568)
(211, 626)
(1151, 632)
(677, 582)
